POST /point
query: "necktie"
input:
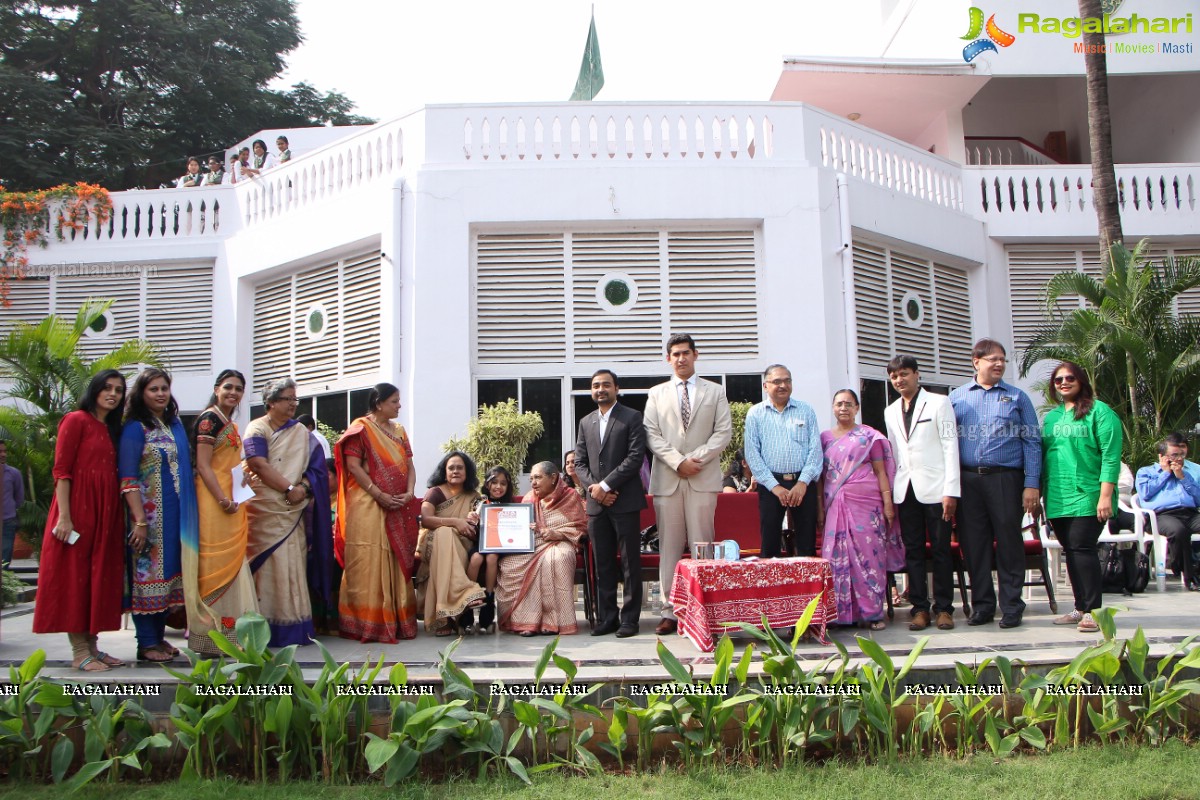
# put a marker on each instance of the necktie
(685, 407)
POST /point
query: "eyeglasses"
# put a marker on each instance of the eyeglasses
(781, 382)
(845, 404)
(994, 359)
(1059, 380)
(292, 400)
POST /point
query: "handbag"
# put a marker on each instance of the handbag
(1123, 570)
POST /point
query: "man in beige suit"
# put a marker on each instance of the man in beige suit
(924, 439)
(687, 428)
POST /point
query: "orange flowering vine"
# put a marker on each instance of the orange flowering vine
(26, 218)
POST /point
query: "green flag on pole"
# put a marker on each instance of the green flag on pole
(591, 72)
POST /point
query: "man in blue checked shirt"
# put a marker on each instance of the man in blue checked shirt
(1000, 449)
(782, 444)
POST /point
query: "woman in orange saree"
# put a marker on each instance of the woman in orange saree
(217, 584)
(376, 534)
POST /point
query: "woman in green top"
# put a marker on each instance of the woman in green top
(1081, 447)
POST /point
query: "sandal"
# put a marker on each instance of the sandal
(166, 647)
(1088, 625)
(154, 655)
(110, 661)
(92, 664)
(527, 634)
(873, 625)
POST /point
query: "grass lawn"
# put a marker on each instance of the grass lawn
(1111, 773)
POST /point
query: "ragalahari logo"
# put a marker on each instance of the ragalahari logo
(994, 37)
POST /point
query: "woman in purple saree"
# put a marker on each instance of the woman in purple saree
(862, 540)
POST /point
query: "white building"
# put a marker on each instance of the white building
(474, 253)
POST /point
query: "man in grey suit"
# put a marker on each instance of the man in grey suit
(687, 428)
(608, 461)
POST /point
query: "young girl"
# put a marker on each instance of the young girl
(497, 488)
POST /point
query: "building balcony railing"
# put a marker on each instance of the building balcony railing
(1155, 199)
(1000, 150)
(1027, 199)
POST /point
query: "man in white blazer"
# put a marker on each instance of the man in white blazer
(921, 427)
(687, 428)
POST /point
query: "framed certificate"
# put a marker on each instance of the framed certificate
(504, 528)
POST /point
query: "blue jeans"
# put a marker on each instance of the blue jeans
(149, 629)
(10, 536)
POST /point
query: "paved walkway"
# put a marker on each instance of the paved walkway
(1166, 618)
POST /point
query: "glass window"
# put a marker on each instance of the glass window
(491, 392)
(874, 400)
(332, 409)
(543, 395)
(744, 388)
(358, 403)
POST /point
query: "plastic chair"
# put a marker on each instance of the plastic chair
(1157, 540)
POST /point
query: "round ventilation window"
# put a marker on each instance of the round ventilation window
(912, 310)
(316, 322)
(617, 293)
(102, 327)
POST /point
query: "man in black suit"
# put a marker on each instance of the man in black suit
(609, 451)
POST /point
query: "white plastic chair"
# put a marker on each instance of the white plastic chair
(1156, 539)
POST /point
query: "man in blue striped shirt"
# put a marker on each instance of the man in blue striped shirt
(1000, 449)
(782, 444)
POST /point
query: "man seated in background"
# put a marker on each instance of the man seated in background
(1174, 496)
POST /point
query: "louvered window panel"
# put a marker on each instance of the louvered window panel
(360, 315)
(1189, 301)
(1029, 268)
(953, 314)
(29, 301)
(601, 334)
(72, 291)
(179, 314)
(907, 305)
(911, 281)
(272, 333)
(520, 298)
(316, 359)
(871, 305)
(712, 277)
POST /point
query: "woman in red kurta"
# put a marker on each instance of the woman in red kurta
(80, 577)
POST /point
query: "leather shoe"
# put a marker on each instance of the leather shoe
(980, 619)
(920, 621)
(1194, 586)
(1010, 621)
(605, 630)
(625, 631)
(666, 626)
(944, 621)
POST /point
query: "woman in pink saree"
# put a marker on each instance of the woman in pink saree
(862, 540)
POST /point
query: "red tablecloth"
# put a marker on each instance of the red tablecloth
(710, 596)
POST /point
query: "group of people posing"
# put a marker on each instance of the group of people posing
(146, 516)
(250, 162)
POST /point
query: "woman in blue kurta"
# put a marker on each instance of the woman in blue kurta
(155, 467)
(1081, 460)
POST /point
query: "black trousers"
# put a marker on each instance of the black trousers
(921, 522)
(989, 532)
(802, 521)
(1078, 536)
(1178, 525)
(611, 533)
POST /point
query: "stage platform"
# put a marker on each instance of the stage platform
(1166, 617)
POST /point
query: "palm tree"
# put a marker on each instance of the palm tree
(1104, 175)
(1142, 357)
(46, 376)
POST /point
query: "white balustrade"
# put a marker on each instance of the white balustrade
(346, 165)
(1001, 151)
(156, 215)
(629, 133)
(1144, 190)
(889, 163)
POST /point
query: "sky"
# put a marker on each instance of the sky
(394, 56)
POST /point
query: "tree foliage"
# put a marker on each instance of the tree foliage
(500, 436)
(1142, 356)
(119, 92)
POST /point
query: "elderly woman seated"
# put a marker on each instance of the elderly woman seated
(536, 592)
